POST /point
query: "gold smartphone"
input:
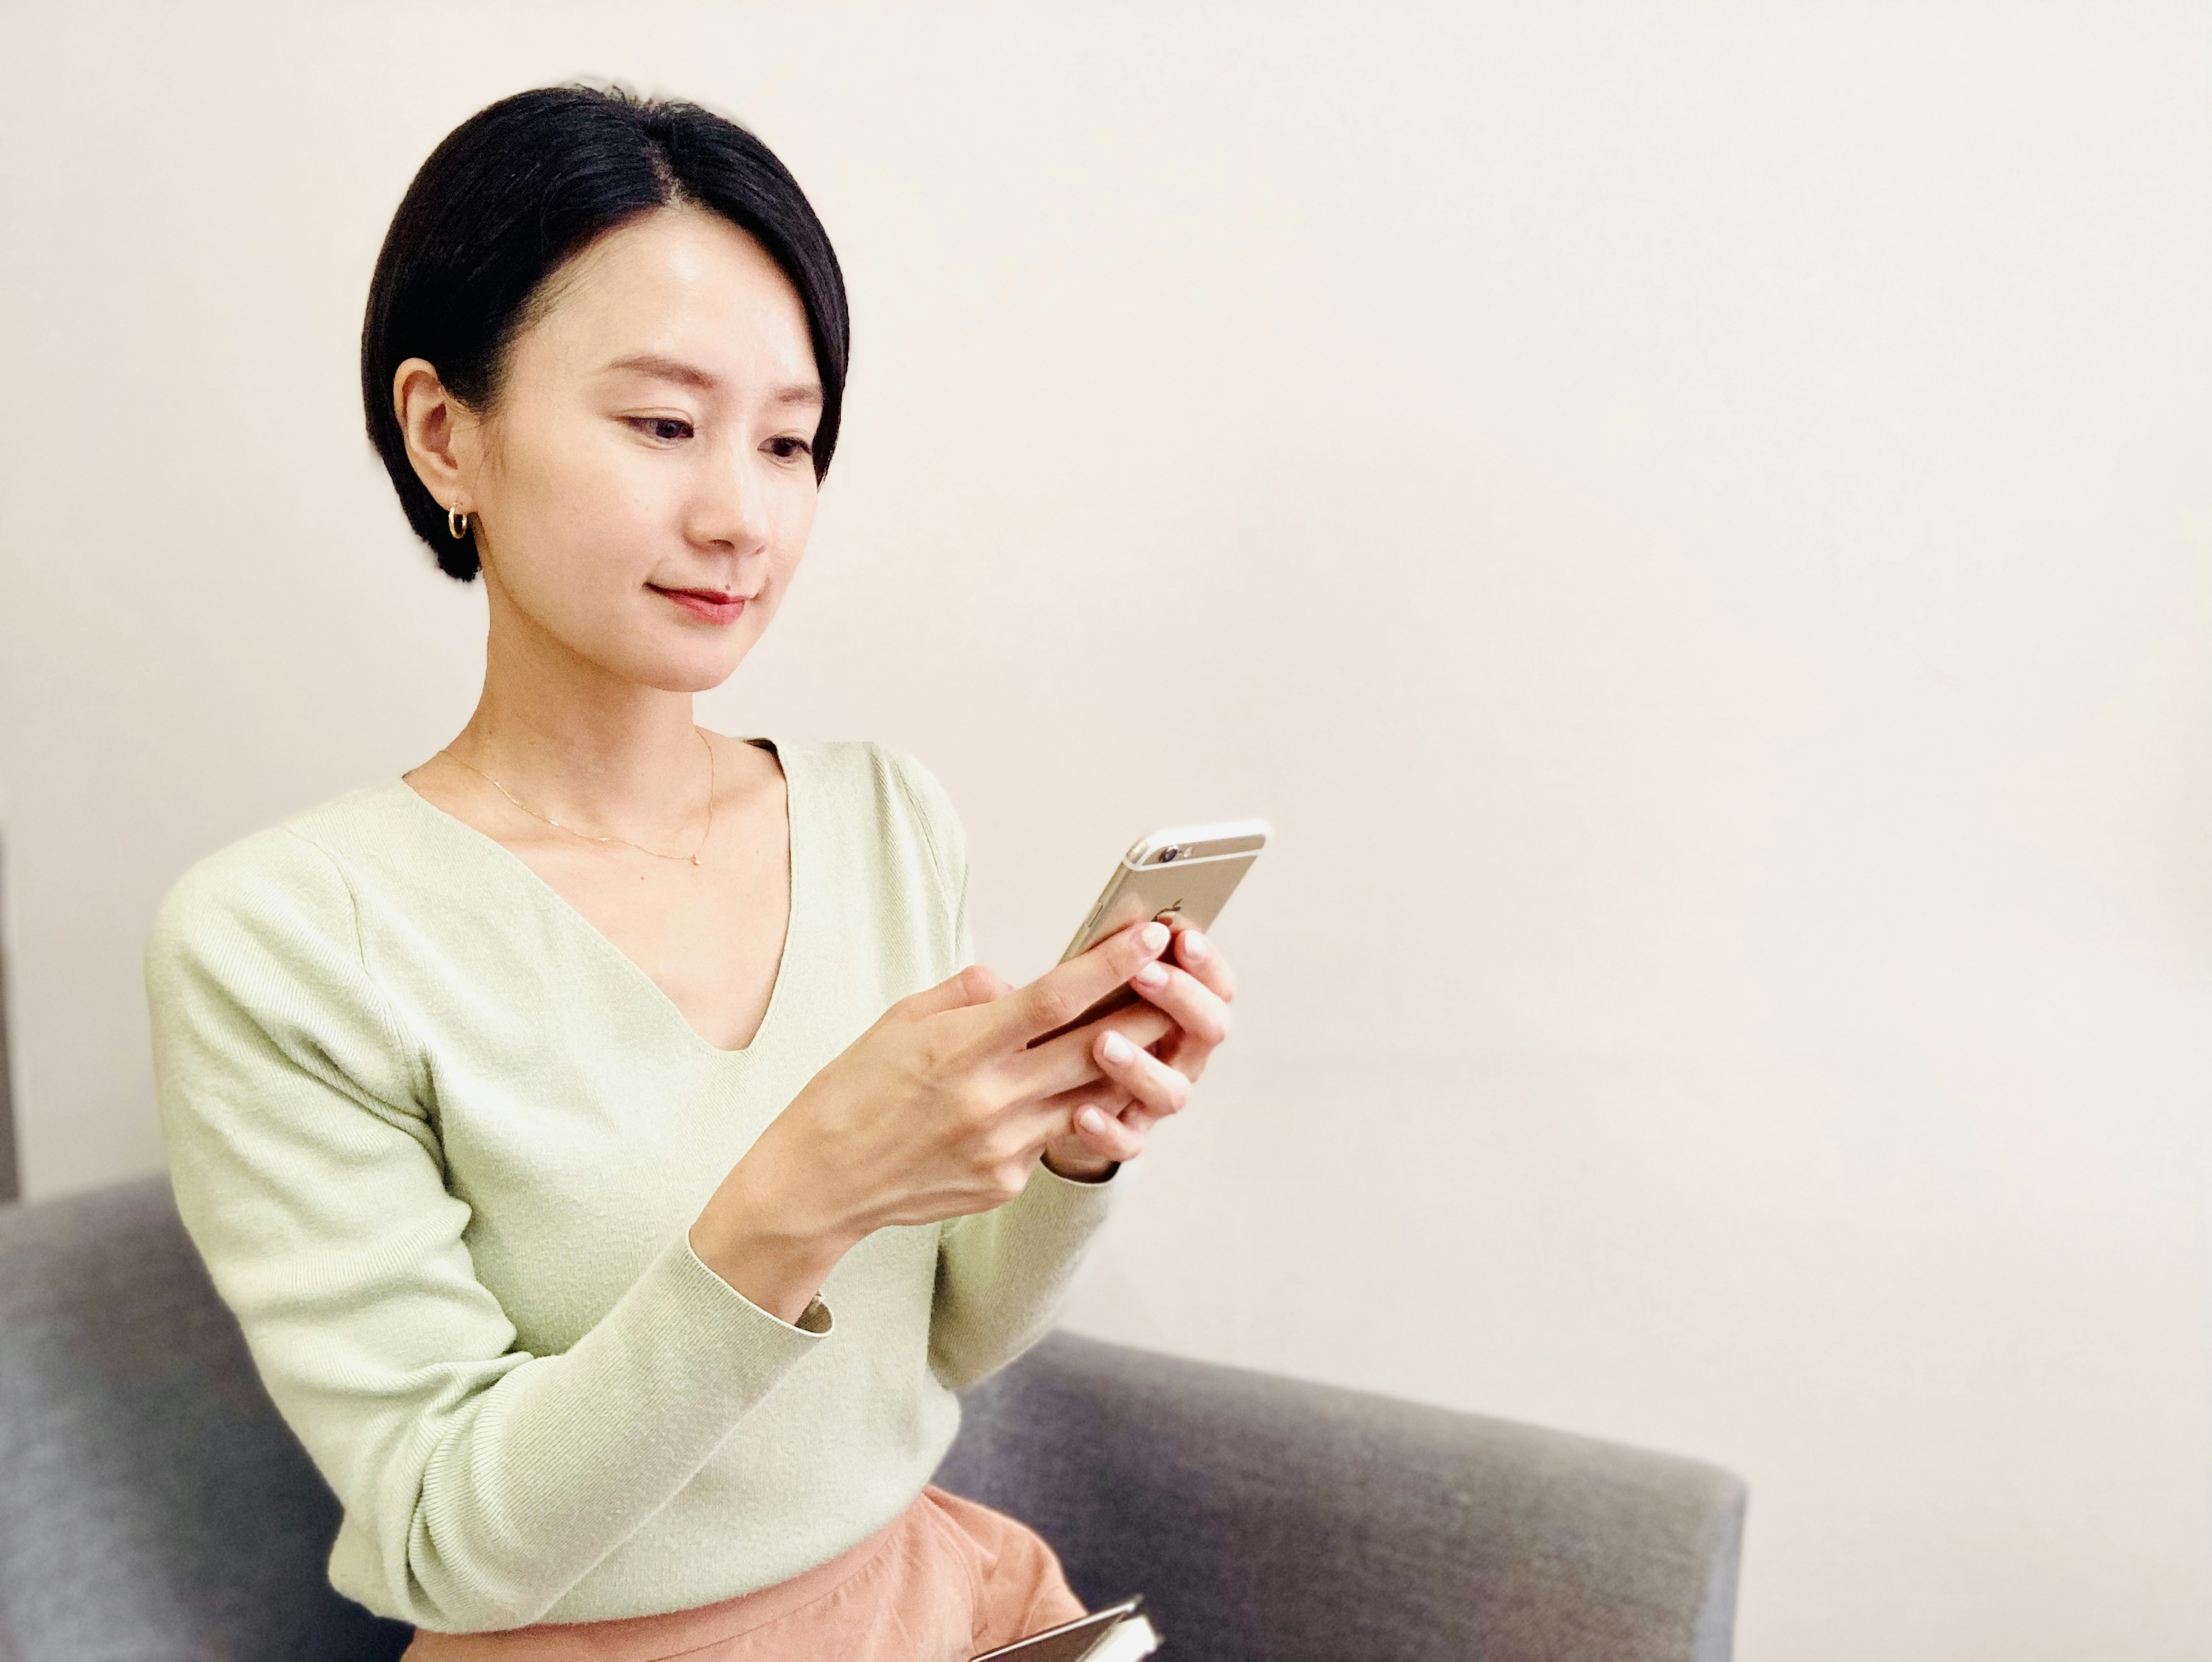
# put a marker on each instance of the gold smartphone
(1188, 869)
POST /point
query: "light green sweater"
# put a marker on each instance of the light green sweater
(441, 1142)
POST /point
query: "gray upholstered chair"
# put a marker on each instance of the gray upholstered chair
(153, 1509)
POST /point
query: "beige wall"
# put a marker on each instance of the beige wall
(1696, 522)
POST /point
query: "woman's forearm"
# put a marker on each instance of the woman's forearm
(768, 1250)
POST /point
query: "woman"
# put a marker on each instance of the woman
(612, 1164)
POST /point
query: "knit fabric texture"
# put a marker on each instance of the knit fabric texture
(439, 1143)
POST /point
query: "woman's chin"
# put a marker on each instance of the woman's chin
(690, 671)
(666, 666)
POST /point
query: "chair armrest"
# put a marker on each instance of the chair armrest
(1266, 1517)
(153, 1505)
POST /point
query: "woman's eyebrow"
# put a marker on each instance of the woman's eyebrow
(690, 374)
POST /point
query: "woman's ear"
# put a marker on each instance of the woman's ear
(440, 431)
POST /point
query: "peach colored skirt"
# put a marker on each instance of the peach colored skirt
(946, 1579)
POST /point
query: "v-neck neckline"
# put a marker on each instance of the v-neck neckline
(501, 855)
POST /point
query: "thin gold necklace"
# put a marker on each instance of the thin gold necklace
(586, 836)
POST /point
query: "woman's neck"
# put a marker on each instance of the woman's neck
(580, 743)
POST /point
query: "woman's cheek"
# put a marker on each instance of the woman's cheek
(796, 519)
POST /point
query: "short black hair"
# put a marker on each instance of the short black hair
(522, 188)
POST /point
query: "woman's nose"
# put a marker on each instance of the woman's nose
(729, 507)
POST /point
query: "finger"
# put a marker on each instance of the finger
(1154, 1085)
(1100, 1093)
(1139, 1118)
(977, 984)
(1188, 1003)
(1066, 991)
(1061, 1064)
(1110, 1135)
(1197, 954)
(1182, 1053)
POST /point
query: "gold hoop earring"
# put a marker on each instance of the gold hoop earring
(456, 524)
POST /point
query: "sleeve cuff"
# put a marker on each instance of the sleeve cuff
(814, 1322)
(1105, 1176)
(1053, 1215)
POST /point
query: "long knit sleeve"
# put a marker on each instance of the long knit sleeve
(306, 1151)
(1001, 1275)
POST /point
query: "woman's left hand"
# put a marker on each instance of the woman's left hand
(1192, 984)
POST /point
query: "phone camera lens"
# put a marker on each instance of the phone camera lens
(1175, 853)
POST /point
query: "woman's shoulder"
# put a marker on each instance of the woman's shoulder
(880, 773)
(255, 976)
(894, 806)
(291, 874)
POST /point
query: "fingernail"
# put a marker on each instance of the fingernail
(1118, 1050)
(1091, 1120)
(1154, 938)
(1194, 945)
(1154, 974)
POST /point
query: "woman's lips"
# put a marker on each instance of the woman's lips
(707, 605)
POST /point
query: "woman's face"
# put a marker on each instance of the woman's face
(644, 487)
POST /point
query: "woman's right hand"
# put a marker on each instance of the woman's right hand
(938, 1110)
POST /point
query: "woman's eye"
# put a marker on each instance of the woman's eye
(788, 449)
(666, 428)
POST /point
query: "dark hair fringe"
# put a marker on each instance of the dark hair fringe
(521, 188)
